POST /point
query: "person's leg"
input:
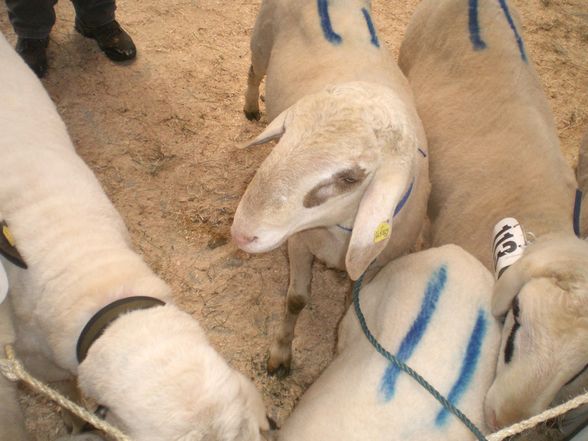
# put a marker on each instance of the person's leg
(32, 21)
(95, 19)
(31, 18)
(94, 13)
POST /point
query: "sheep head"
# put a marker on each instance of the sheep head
(544, 349)
(346, 155)
(162, 381)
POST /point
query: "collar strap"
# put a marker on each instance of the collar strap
(577, 211)
(103, 318)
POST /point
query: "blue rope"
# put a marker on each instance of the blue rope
(404, 367)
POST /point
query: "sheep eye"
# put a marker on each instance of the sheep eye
(341, 182)
(349, 180)
(510, 346)
(350, 176)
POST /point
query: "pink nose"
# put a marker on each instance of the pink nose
(242, 240)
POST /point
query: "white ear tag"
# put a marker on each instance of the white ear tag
(3, 283)
(508, 245)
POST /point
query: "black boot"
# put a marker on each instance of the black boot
(34, 52)
(111, 38)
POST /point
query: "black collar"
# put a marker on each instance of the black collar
(100, 321)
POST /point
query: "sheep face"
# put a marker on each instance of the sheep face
(346, 153)
(544, 349)
(162, 381)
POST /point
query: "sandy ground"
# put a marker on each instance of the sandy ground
(161, 134)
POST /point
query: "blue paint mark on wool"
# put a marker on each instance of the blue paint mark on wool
(370, 24)
(435, 287)
(474, 26)
(518, 37)
(470, 362)
(329, 33)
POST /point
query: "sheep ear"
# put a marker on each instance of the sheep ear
(373, 223)
(508, 286)
(274, 130)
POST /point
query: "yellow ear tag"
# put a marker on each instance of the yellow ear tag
(382, 232)
(8, 235)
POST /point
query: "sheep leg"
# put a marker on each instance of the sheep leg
(301, 259)
(251, 108)
(261, 47)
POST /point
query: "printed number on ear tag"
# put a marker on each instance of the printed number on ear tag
(508, 245)
(3, 283)
(382, 232)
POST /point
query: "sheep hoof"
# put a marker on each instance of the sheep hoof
(281, 371)
(278, 366)
(252, 116)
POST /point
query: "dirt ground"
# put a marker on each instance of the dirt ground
(162, 134)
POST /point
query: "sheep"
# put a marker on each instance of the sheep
(432, 310)
(494, 154)
(351, 155)
(152, 368)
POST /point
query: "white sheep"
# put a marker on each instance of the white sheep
(152, 368)
(351, 155)
(432, 310)
(494, 154)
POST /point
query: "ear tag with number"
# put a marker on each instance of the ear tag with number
(3, 283)
(382, 232)
(508, 245)
(8, 248)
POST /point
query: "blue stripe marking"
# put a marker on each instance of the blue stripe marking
(404, 199)
(577, 211)
(330, 35)
(474, 26)
(435, 287)
(520, 43)
(468, 367)
(368, 19)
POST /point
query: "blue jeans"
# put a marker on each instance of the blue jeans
(35, 18)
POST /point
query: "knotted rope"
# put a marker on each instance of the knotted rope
(13, 370)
